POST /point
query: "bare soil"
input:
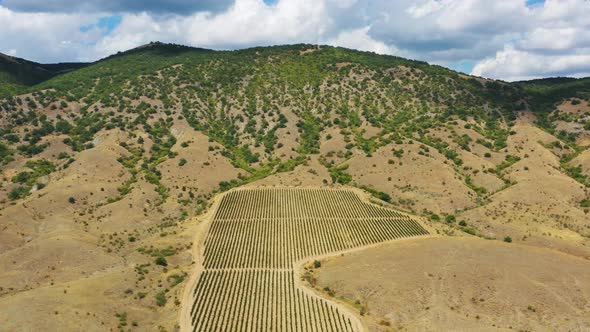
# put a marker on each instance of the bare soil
(462, 284)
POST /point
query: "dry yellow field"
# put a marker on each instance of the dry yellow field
(461, 284)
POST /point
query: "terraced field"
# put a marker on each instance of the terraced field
(254, 241)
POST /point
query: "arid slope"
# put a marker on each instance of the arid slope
(462, 284)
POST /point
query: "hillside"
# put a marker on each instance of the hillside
(475, 285)
(107, 166)
(17, 74)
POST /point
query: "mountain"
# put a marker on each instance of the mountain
(16, 74)
(107, 166)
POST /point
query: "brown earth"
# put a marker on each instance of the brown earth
(462, 284)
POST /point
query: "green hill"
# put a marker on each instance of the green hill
(17, 74)
(235, 98)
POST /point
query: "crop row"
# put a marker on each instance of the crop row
(279, 243)
(273, 203)
(261, 300)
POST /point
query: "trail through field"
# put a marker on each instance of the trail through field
(247, 274)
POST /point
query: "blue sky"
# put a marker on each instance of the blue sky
(106, 23)
(505, 39)
(464, 66)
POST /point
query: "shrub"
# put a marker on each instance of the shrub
(161, 261)
(22, 177)
(12, 138)
(317, 264)
(17, 193)
(182, 162)
(508, 239)
(450, 218)
(469, 230)
(339, 175)
(63, 155)
(72, 200)
(160, 299)
(175, 279)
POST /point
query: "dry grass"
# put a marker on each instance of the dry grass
(462, 284)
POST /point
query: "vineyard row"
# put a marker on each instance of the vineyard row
(262, 300)
(273, 203)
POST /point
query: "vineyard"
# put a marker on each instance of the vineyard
(255, 238)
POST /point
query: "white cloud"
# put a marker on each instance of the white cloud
(556, 39)
(247, 23)
(359, 39)
(557, 44)
(547, 39)
(430, 7)
(454, 29)
(156, 6)
(251, 22)
(45, 37)
(512, 64)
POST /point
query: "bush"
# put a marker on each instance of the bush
(22, 177)
(469, 230)
(317, 264)
(17, 193)
(72, 200)
(450, 218)
(63, 155)
(160, 299)
(182, 162)
(508, 239)
(161, 261)
(339, 175)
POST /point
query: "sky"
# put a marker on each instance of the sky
(502, 39)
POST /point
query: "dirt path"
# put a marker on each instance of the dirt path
(185, 322)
